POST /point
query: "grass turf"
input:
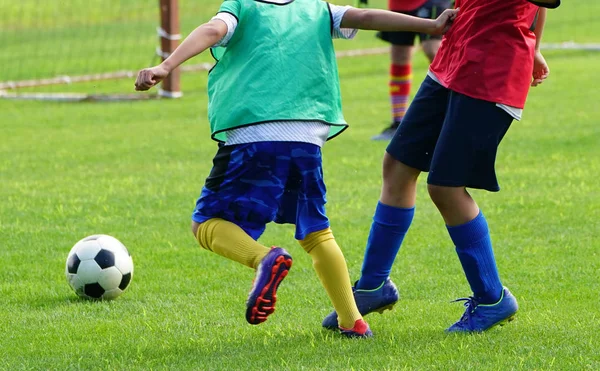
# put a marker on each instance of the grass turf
(133, 170)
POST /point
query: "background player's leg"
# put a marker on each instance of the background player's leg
(432, 9)
(230, 241)
(430, 48)
(400, 84)
(401, 54)
(400, 80)
(330, 265)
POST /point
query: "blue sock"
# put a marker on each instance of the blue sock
(389, 227)
(474, 249)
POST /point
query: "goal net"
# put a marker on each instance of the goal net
(66, 47)
(573, 26)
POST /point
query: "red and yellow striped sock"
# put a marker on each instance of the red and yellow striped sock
(400, 81)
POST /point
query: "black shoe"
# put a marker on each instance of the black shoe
(388, 133)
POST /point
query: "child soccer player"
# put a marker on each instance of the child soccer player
(476, 86)
(274, 99)
(401, 54)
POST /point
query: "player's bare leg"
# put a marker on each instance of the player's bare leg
(401, 54)
(454, 203)
(330, 265)
(399, 183)
(430, 48)
(491, 303)
(375, 292)
(272, 265)
(400, 82)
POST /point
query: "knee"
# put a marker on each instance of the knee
(430, 55)
(397, 176)
(443, 196)
(315, 239)
(430, 48)
(391, 168)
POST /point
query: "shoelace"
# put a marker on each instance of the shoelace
(470, 304)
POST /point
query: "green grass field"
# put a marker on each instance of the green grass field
(134, 170)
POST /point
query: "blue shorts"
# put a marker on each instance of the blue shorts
(257, 183)
(452, 136)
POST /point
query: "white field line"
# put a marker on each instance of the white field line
(10, 85)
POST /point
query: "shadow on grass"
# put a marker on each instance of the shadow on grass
(55, 301)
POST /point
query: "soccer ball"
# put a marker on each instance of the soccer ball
(99, 267)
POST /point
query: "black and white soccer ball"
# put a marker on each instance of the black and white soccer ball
(99, 267)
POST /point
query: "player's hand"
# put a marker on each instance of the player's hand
(444, 21)
(541, 71)
(149, 77)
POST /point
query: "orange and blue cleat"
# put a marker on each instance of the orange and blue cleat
(262, 297)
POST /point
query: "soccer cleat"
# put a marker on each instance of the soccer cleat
(481, 317)
(360, 330)
(270, 272)
(387, 134)
(369, 301)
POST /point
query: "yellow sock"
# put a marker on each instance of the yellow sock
(331, 268)
(230, 241)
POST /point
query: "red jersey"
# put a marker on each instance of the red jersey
(488, 52)
(405, 5)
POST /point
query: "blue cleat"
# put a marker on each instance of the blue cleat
(369, 301)
(262, 297)
(481, 317)
(360, 330)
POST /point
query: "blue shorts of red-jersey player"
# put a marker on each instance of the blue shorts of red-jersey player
(254, 184)
(444, 133)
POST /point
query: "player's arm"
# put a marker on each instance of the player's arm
(541, 71)
(539, 27)
(383, 20)
(202, 38)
